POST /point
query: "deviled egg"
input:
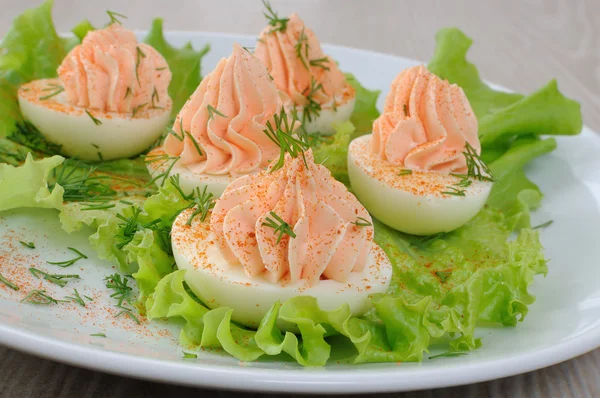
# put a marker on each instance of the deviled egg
(420, 171)
(293, 56)
(284, 232)
(109, 101)
(219, 134)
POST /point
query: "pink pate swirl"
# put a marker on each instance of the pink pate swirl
(426, 124)
(234, 142)
(321, 212)
(111, 72)
(278, 51)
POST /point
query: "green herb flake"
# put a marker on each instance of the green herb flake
(449, 354)
(68, 263)
(278, 24)
(8, 283)
(189, 355)
(405, 172)
(58, 279)
(544, 225)
(280, 227)
(362, 222)
(98, 335)
(29, 245)
(96, 121)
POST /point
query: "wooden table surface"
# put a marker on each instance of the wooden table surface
(520, 44)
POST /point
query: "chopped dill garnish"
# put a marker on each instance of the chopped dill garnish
(475, 166)
(313, 108)
(98, 206)
(128, 92)
(279, 226)
(185, 133)
(58, 279)
(454, 191)
(79, 184)
(68, 263)
(98, 335)
(189, 355)
(163, 159)
(544, 225)
(204, 202)
(449, 354)
(96, 121)
(139, 54)
(55, 88)
(278, 24)
(88, 298)
(129, 313)
(127, 229)
(28, 135)
(405, 110)
(405, 172)
(161, 69)
(137, 109)
(120, 287)
(320, 63)
(29, 245)
(443, 275)
(301, 48)
(464, 181)
(213, 111)
(155, 98)
(362, 222)
(282, 135)
(39, 297)
(8, 283)
(76, 298)
(114, 17)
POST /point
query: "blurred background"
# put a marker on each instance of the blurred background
(520, 44)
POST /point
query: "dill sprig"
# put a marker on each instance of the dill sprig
(55, 88)
(139, 54)
(463, 181)
(443, 275)
(212, 111)
(39, 297)
(544, 225)
(119, 285)
(98, 206)
(28, 135)
(80, 184)
(448, 354)
(185, 133)
(128, 92)
(189, 355)
(8, 283)
(58, 279)
(29, 245)
(362, 222)
(138, 108)
(280, 227)
(155, 99)
(114, 17)
(68, 263)
(278, 24)
(404, 172)
(98, 335)
(475, 166)
(162, 159)
(320, 63)
(76, 298)
(127, 228)
(313, 107)
(204, 202)
(282, 135)
(97, 122)
(301, 48)
(454, 191)
(129, 313)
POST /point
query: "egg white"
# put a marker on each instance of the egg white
(116, 135)
(219, 284)
(408, 210)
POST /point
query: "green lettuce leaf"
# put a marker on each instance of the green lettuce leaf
(27, 185)
(333, 151)
(487, 281)
(30, 50)
(501, 115)
(365, 109)
(185, 65)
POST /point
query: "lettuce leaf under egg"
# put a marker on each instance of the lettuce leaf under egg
(185, 65)
(503, 116)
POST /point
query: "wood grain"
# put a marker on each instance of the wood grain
(521, 44)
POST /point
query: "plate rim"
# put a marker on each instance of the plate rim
(306, 380)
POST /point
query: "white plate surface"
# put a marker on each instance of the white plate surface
(563, 323)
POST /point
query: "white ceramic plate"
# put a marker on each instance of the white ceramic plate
(563, 323)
